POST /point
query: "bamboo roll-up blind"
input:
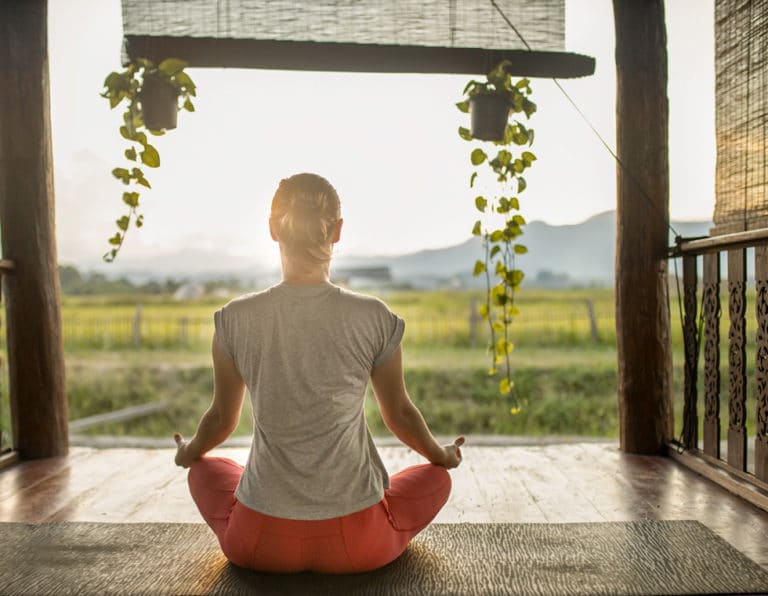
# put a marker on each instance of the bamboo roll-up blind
(438, 23)
(741, 97)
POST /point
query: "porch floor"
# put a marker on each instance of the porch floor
(578, 482)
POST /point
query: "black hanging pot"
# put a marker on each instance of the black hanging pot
(488, 117)
(159, 103)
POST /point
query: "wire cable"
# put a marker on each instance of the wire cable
(584, 117)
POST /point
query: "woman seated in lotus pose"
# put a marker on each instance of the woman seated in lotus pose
(314, 494)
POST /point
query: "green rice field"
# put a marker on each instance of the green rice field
(124, 352)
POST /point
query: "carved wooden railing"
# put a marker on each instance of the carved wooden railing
(705, 457)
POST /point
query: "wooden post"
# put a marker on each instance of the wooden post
(593, 333)
(33, 314)
(642, 218)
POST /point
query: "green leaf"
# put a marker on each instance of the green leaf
(463, 107)
(113, 81)
(122, 174)
(477, 229)
(479, 268)
(130, 153)
(150, 157)
(518, 166)
(520, 249)
(131, 199)
(478, 156)
(116, 239)
(503, 346)
(528, 157)
(497, 235)
(188, 106)
(123, 222)
(171, 66)
(465, 134)
(183, 80)
(515, 277)
(481, 203)
(514, 203)
(521, 184)
(522, 83)
(494, 251)
(504, 157)
(139, 221)
(483, 310)
(529, 107)
(472, 179)
(519, 220)
(505, 386)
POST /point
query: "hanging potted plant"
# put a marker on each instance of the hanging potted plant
(489, 103)
(501, 223)
(152, 94)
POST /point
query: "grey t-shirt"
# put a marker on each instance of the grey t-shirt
(306, 355)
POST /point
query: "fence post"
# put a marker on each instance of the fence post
(474, 319)
(137, 326)
(183, 331)
(592, 321)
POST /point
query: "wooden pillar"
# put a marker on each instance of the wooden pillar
(642, 217)
(32, 300)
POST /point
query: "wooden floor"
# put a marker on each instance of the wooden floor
(583, 482)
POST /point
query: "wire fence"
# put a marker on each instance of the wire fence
(576, 323)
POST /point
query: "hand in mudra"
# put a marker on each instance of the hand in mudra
(183, 457)
(452, 454)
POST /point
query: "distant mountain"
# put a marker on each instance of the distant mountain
(581, 254)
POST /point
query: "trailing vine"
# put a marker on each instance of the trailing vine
(501, 224)
(130, 86)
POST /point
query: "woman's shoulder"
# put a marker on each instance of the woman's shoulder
(247, 301)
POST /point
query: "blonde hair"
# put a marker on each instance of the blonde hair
(304, 214)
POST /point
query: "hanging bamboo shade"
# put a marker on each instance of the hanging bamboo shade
(427, 36)
(741, 87)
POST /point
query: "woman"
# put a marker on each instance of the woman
(314, 494)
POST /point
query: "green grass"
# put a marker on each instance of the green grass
(562, 391)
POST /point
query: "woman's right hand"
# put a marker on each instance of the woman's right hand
(452, 454)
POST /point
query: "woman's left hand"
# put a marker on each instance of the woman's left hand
(183, 457)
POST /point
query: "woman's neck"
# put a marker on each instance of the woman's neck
(296, 273)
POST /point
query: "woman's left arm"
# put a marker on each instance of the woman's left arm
(222, 416)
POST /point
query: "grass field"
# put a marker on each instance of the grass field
(565, 377)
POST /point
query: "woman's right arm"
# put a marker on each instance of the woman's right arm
(402, 416)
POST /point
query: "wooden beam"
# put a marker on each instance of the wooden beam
(718, 243)
(642, 219)
(32, 295)
(353, 57)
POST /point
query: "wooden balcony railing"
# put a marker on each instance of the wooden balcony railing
(7, 456)
(732, 468)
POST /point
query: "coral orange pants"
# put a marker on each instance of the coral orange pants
(361, 541)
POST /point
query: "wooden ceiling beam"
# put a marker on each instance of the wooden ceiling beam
(352, 57)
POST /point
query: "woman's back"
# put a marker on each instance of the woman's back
(305, 353)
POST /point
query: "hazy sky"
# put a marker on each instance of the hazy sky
(387, 142)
